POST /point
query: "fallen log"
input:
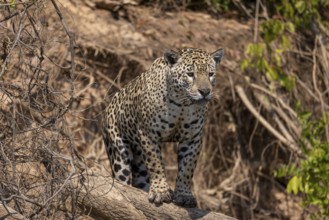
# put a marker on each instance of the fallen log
(103, 197)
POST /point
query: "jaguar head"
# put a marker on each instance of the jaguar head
(193, 72)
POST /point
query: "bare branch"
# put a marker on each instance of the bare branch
(292, 146)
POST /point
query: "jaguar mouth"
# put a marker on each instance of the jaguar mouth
(200, 101)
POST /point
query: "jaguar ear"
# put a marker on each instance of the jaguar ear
(218, 55)
(171, 57)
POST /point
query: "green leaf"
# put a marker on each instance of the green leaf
(13, 3)
(305, 116)
(306, 188)
(290, 27)
(272, 74)
(288, 10)
(278, 27)
(285, 42)
(288, 82)
(300, 6)
(277, 58)
(293, 185)
(245, 64)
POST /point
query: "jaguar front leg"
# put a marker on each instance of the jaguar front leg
(188, 153)
(159, 191)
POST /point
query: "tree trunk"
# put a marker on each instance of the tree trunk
(105, 198)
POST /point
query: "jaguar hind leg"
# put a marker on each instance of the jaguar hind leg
(120, 157)
(140, 176)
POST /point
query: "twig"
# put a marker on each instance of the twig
(15, 42)
(269, 107)
(292, 124)
(91, 82)
(325, 63)
(284, 105)
(263, 121)
(9, 213)
(71, 36)
(109, 80)
(239, 4)
(120, 74)
(17, 12)
(315, 83)
(228, 184)
(256, 22)
(308, 90)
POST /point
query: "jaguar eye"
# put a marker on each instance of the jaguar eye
(190, 74)
(211, 74)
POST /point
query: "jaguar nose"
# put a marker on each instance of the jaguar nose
(204, 92)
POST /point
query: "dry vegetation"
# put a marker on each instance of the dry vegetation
(60, 63)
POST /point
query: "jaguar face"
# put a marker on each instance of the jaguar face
(194, 71)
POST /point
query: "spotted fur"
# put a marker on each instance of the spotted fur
(167, 103)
